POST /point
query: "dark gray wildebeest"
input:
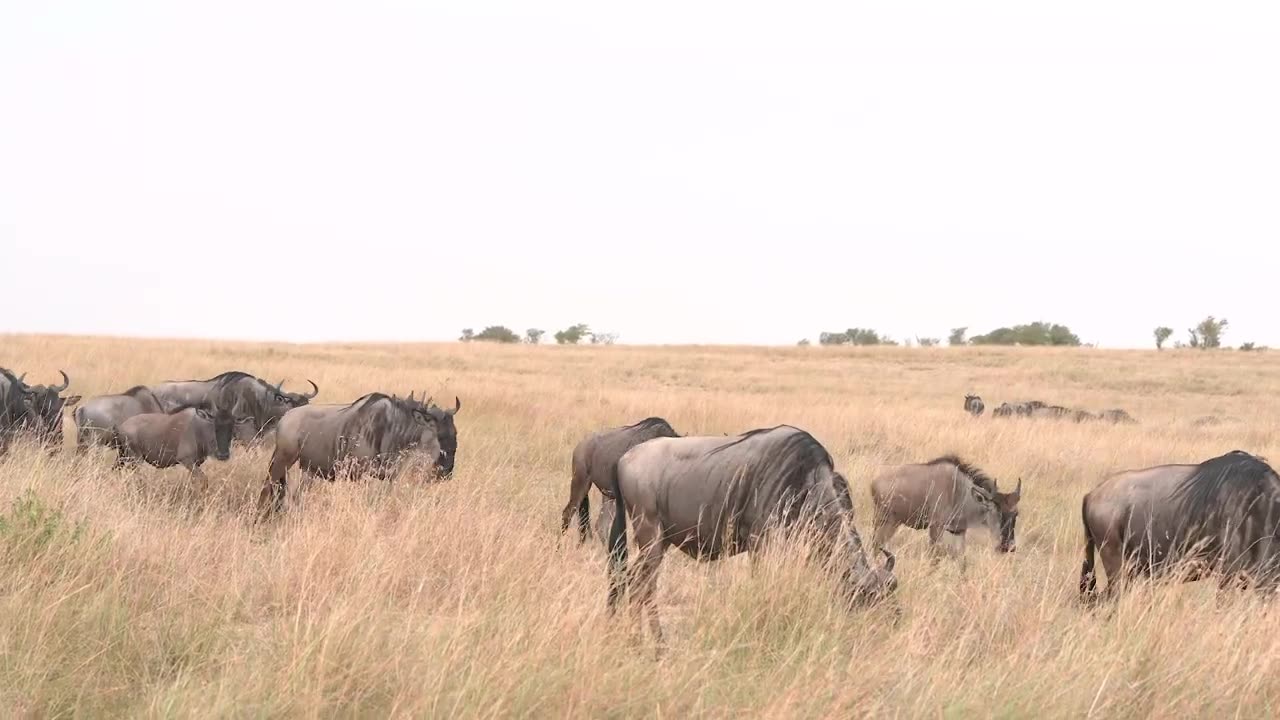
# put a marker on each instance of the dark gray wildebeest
(241, 392)
(1189, 521)
(1020, 409)
(593, 463)
(973, 405)
(714, 497)
(1118, 416)
(374, 435)
(97, 417)
(45, 405)
(13, 406)
(945, 494)
(447, 432)
(185, 437)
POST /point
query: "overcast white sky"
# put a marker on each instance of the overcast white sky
(671, 171)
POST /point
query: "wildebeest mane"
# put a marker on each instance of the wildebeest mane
(788, 461)
(1235, 482)
(652, 423)
(137, 390)
(975, 473)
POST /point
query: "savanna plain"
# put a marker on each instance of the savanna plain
(131, 594)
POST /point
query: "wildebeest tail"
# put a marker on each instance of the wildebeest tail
(617, 545)
(1088, 578)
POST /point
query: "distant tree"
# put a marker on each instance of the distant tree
(1208, 334)
(573, 334)
(1162, 334)
(1248, 347)
(498, 333)
(927, 342)
(957, 336)
(603, 338)
(467, 335)
(854, 336)
(1036, 333)
(533, 336)
(804, 342)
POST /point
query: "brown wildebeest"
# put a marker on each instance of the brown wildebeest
(944, 494)
(185, 437)
(714, 497)
(973, 405)
(592, 464)
(45, 404)
(241, 392)
(1222, 515)
(372, 434)
(97, 417)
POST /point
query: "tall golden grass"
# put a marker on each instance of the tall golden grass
(128, 594)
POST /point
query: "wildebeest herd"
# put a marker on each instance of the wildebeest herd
(184, 422)
(1039, 409)
(711, 496)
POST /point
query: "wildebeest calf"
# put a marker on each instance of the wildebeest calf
(185, 437)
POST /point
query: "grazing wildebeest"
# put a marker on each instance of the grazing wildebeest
(944, 494)
(1220, 515)
(973, 405)
(1117, 415)
(13, 406)
(373, 434)
(241, 392)
(592, 464)
(97, 417)
(44, 411)
(714, 497)
(1021, 409)
(184, 437)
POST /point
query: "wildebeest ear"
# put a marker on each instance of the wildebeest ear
(202, 412)
(71, 401)
(979, 494)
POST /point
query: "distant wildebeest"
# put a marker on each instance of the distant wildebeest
(714, 497)
(186, 437)
(944, 494)
(45, 404)
(1118, 416)
(1221, 515)
(372, 435)
(1020, 409)
(593, 464)
(97, 417)
(973, 405)
(241, 392)
(13, 406)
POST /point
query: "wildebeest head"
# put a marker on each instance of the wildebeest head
(1000, 514)
(224, 426)
(44, 405)
(427, 429)
(867, 582)
(447, 432)
(295, 399)
(973, 405)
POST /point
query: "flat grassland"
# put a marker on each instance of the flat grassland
(127, 594)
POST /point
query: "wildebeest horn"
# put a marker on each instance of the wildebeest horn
(457, 405)
(22, 378)
(411, 395)
(280, 385)
(66, 383)
(1017, 492)
(889, 559)
(315, 390)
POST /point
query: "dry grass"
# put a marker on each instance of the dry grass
(127, 595)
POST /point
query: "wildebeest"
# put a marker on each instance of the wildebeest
(1021, 409)
(1117, 415)
(97, 417)
(241, 392)
(713, 497)
(447, 432)
(945, 494)
(45, 404)
(1220, 515)
(186, 437)
(13, 406)
(973, 405)
(593, 464)
(373, 434)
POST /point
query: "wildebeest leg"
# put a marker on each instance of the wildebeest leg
(937, 540)
(198, 476)
(885, 529)
(579, 484)
(271, 499)
(645, 583)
